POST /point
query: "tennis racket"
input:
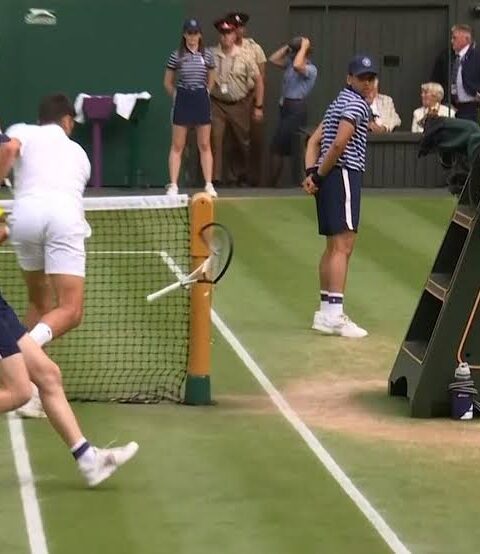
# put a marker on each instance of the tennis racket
(220, 245)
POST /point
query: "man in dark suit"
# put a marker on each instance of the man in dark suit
(465, 75)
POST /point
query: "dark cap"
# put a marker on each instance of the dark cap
(4, 138)
(239, 19)
(192, 25)
(361, 65)
(224, 26)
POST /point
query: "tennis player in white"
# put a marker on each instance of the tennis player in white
(48, 226)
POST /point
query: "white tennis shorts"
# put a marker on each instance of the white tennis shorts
(49, 237)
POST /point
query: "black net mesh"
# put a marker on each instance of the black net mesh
(125, 349)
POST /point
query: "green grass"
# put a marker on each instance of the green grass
(235, 478)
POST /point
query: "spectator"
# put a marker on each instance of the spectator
(240, 21)
(299, 77)
(432, 96)
(384, 118)
(236, 75)
(441, 68)
(465, 76)
(189, 78)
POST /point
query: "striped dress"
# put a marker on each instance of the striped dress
(192, 100)
(349, 105)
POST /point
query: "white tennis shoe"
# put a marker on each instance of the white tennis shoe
(341, 326)
(172, 189)
(33, 409)
(319, 324)
(210, 189)
(106, 462)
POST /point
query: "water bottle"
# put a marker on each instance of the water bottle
(462, 402)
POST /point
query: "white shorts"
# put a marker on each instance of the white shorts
(49, 238)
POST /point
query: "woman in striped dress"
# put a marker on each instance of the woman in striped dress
(188, 79)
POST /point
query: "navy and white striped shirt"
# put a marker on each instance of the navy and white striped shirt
(349, 105)
(191, 67)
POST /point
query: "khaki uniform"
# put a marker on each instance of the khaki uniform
(254, 51)
(235, 76)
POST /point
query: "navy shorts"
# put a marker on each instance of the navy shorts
(11, 330)
(338, 202)
(192, 107)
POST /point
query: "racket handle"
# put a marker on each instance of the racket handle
(163, 292)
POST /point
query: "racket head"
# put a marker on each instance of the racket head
(219, 242)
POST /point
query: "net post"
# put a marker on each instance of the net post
(197, 389)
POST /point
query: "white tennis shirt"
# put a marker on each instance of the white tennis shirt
(50, 165)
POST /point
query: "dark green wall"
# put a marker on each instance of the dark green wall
(107, 46)
(97, 47)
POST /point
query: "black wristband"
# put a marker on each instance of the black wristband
(317, 178)
(259, 107)
(311, 170)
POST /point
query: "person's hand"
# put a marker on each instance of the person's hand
(258, 114)
(375, 128)
(309, 186)
(305, 42)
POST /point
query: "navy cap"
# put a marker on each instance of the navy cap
(362, 64)
(192, 25)
(239, 19)
(4, 138)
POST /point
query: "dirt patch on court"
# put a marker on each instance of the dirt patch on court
(249, 404)
(363, 408)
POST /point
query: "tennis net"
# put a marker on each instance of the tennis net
(125, 349)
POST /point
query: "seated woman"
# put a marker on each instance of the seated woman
(432, 96)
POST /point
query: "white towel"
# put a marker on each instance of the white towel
(125, 103)
(78, 105)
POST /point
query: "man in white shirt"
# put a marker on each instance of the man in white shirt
(465, 78)
(48, 226)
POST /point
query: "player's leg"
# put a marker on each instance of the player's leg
(95, 464)
(68, 312)
(15, 389)
(179, 138)
(41, 298)
(338, 209)
(206, 158)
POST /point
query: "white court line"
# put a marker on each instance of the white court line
(388, 535)
(377, 521)
(31, 509)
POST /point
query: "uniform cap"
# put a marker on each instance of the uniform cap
(361, 65)
(224, 26)
(239, 19)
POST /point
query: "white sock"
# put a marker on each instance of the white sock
(209, 183)
(41, 333)
(86, 456)
(335, 304)
(324, 301)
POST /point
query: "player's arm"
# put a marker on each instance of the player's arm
(346, 129)
(169, 81)
(313, 147)
(311, 157)
(9, 152)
